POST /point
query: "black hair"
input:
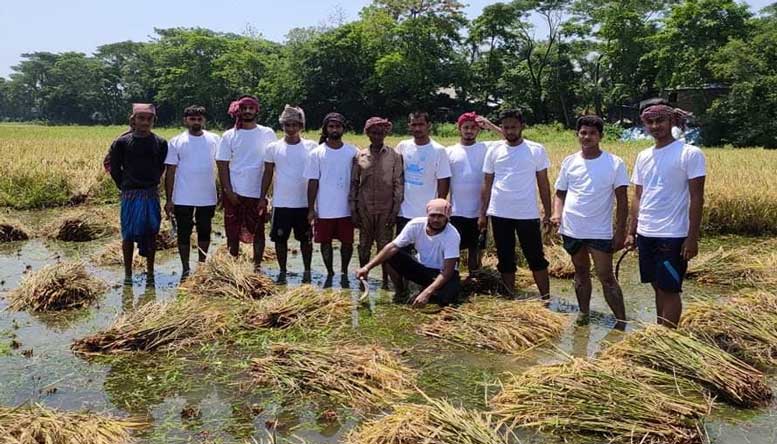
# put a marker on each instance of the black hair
(511, 114)
(419, 115)
(331, 116)
(194, 110)
(592, 121)
(650, 102)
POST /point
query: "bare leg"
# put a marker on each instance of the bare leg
(282, 252)
(234, 247)
(583, 289)
(610, 287)
(150, 264)
(258, 251)
(326, 255)
(542, 280)
(346, 253)
(307, 255)
(128, 250)
(672, 308)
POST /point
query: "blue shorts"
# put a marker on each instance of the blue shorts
(661, 263)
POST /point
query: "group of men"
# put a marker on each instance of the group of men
(419, 202)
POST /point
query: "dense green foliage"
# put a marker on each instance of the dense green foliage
(598, 56)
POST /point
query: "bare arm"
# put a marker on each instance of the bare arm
(691, 245)
(558, 207)
(269, 171)
(312, 194)
(443, 186)
(448, 270)
(353, 194)
(543, 185)
(383, 255)
(485, 199)
(169, 184)
(398, 182)
(621, 215)
(633, 218)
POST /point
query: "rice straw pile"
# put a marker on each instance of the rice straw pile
(439, 422)
(756, 301)
(355, 375)
(523, 276)
(11, 231)
(596, 401)
(494, 324)
(680, 354)
(39, 425)
(165, 240)
(485, 281)
(746, 266)
(81, 227)
(157, 326)
(305, 306)
(561, 266)
(59, 286)
(750, 335)
(223, 275)
(112, 255)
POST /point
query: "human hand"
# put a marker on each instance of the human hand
(232, 197)
(618, 241)
(362, 273)
(482, 223)
(262, 206)
(169, 209)
(311, 216)
(422, 299)
(630, 243)
(690, 248)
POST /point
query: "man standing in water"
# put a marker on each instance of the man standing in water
(587, 185)
(328, 171)
(667, 209)
(288, 157)
(190, 184)
(137, 164)
(240, 161)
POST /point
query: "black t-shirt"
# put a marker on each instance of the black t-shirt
(137, 162)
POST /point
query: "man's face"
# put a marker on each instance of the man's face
(659, 127)
(291, 127)
(248, 113)
(194, 123)
(334, 130)
(143, 122)
(512, 129)
(589, 136)
(437, 221)
(377, 134)
(469, 131)
(420, 128)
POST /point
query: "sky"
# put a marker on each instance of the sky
(83, 25)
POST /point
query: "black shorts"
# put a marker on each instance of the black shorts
(409, 268)
(572, 244)
(530, 238)
(468, 230)
(284, 220)
(187, 217)
(661, 262)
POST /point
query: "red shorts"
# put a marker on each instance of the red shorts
(324, 230)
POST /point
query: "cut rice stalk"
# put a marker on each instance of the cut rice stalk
(747, 266)
(11, 230)
(561, 266)
(60, 286)
(680, 354)
(223, 275)
(597, 401)
(355, 375)
(494, 324)
(439, 422)
(157, 326)
(305, 306)
(81, 227)
(37, 424)
(756, 301)
(750, 335)
(112, 255)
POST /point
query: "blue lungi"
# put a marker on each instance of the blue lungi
(141, 217)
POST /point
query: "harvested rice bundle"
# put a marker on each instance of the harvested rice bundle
(596, 401)
(746, 266)
(757, 301)
(157, 326)
(306, 306)
(11, 231)
(112, 255)
(680, 354)
(268, 255)
(223, 275)
(750, 335)
(439, 422)
(81, 227)
(357, 375)
(670, 384)
(561, 266)
(505, 326)
(59, 286)
(37, 424)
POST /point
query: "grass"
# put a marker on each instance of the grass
(677, 353)
(355, 375)
(38, 425)
(596, 401)
(305, 306)
(51, 166)
(158, 326)
(753, 265)
(59, 286)
(494, 324)
(223, 275)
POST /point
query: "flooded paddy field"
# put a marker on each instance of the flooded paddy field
(204, 394)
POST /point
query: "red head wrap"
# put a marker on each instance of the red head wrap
(234, 108)
(467, 117)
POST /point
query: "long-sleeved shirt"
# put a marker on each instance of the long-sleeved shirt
(377, 181)
(137, 162)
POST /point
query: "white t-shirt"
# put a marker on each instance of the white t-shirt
(514, 192)
(424, 164)
(590, 185)
(245, 151)
(664, 174)
(195, 175)
(291, 187)
(332, 168)
(432, 250)
(467, 177)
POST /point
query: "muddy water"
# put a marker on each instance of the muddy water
(211, 381)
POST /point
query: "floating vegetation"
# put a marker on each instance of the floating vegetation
(60, 286)
(494, 324)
